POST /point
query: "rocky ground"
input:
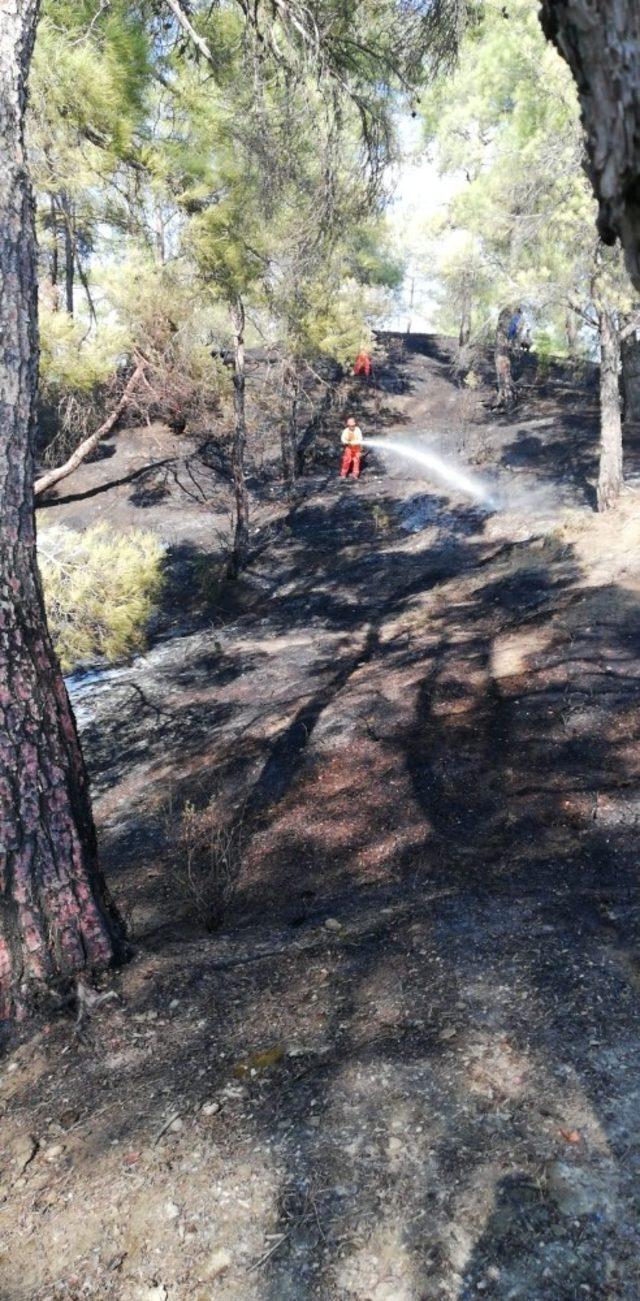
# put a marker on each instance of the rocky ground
(406, 1065)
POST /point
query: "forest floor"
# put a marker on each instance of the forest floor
(407, 1065)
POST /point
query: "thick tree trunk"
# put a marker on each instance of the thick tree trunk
(630, 351)
(601, 44)
(610, 472)
(504, 379)
(55, 915)
(289, 431)
(241, 531)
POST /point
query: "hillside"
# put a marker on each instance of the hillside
(405, 1066)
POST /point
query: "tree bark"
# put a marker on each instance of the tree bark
(412, 292)
(241, 531)
(89, 444)
(610, 471)
(53, 265)
(464, 333)
(572, 333)
(504, 378)
(55, 914)
(630, 351)
(289, 431)
(601, 44)
(69, 253)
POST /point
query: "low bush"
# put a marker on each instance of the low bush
(100, 590)
(208, 856)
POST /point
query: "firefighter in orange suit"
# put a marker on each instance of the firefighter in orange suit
(362, 365)
(351, 439)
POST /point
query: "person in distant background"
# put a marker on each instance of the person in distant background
(515, 325)
(351, 439)
(362, 364)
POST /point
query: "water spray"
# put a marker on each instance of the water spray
(436, 466)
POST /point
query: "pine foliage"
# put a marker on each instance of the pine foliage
(100, 588)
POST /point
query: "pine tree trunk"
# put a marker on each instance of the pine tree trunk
(571, 331)
(53, 265)
(241, 532)
(630, 351)
(610, 472)
(601, 44)
(464, 333)
(55, 915)
(503, 360)
(159, 235)
(69, 254)
(289, 431)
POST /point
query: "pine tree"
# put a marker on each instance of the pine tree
(55, 915)
(510, 119)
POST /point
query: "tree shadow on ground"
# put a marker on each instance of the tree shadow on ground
(139, 476)
(519, 970)
(455, 791)
(448, 773)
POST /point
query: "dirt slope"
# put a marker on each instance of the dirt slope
(406, 1067)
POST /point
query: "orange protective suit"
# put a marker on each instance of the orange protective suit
(351, 462)
(362, 364)
(351, 439)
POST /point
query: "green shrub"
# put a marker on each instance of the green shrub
(546, 351)
(100, 589)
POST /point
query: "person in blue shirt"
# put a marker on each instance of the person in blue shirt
(514, 325)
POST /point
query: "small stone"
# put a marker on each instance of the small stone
(69, 1118)
(52, 1153)
(23, 1150)
(176, 1125)
(332, 924)
(171, 1211)
(219, 1261)
(394, 1145)
(211, 1108)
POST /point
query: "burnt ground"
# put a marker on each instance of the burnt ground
(406, 1065)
